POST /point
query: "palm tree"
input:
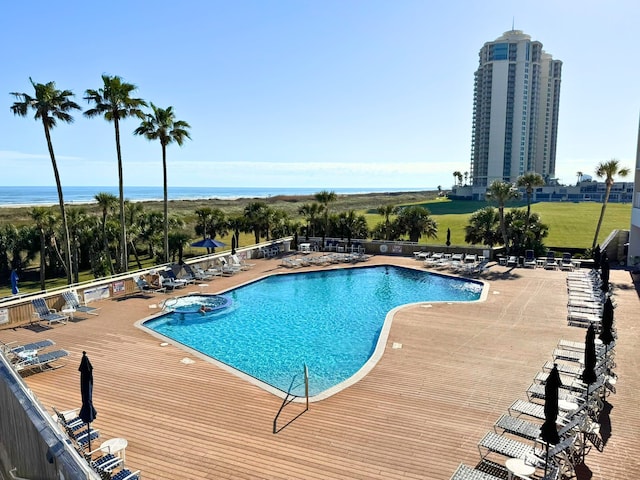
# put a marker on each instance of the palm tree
(40, 215)
(325, 198)
(114, 103)
(456, 177)
(579, 175)
(416, 221)
(482, 227)
(106, 201)
(310, 212)
(50, 105)
(386, 211)
(134, 214)
(256, 214)
(501, 192)
(162, 125)
(529, 181)
(608, 170)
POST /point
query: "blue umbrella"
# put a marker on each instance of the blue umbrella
(14, 282)
(87, 412)
(208, 243)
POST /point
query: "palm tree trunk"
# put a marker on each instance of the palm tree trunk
(105, 241)
(503, 229)
(65, 229)
(123, 227)
(604, 207)
(166, 204)
(526, 226)
(43, 274)
(135, 254)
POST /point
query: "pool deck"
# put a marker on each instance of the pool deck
(419, 413)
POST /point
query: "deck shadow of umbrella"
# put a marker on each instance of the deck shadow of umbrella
(87, 412)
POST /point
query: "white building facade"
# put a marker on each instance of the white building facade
(515, 114)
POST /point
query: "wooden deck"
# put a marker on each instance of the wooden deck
(419, 413)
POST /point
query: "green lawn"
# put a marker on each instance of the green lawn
(570, 224)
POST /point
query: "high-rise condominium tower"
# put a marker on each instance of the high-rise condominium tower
(515, 110)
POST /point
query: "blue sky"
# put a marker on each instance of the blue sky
(295, 93)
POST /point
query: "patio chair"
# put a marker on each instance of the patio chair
(562, 454)
(551, 262)
(235, 260)
(529, 259)
(69, 418)
(512, 261)
(41, 362)
(463, 472)
(227, 269)
(126, 474)
(177, 272)
(145, 286)
(18, 351)
(82, 438)
(46, 314)
(169, 275)
(196, 272)
(72, 302)
(566, 263)
(170, 281)
(531, 431)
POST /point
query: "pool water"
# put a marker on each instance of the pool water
(329, 320)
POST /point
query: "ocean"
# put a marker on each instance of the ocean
(28, 196)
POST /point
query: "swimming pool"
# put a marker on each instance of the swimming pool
(329, 320)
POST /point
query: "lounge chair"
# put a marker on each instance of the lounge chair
(235, 260)
(196, 272)
(72, 302)
(22, 350)
(81, 437)
(126, 474)
(566, 262)
(464, 472)
(145, 286)
(41, 362)
(529, 259)
(170, 281)
(531, 431)
(562, 454)
(69, 418)
(104, 464)
(170, 276)
(228, 269)
(512, 261)
(46, 314)
(551, 262)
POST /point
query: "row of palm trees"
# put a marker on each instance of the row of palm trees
(113, 101)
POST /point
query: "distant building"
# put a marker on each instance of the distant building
(585, 191)
(633, 252)
(515, 110)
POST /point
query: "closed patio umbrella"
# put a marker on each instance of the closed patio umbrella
(606, 334)
(549, 430)
(448, 242)
(14, 283)
(87, 412)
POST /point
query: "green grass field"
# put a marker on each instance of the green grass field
(570, 224)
